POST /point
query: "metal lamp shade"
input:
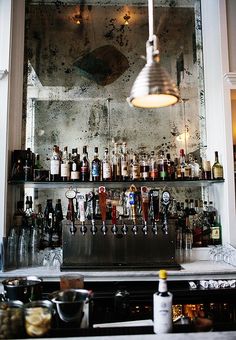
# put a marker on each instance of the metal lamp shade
(153, 88)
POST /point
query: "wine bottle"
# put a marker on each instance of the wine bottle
(217, 168)
(55, 164)
(162, 306)
(106, 167)
(96, 167)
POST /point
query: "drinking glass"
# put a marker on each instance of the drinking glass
(69, 281)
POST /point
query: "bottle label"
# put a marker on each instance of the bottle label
(55, 167)
(218, 172)
(74, 175)
(135, 172)
(65, 170)
(84, 169)
(124, 168)
(162, 313)
(95, 170)
(154, 174)
(215, 233)
(106, 171)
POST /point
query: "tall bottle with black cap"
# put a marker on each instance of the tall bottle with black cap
(162, 306)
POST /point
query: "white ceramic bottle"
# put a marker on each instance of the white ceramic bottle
(162, 306)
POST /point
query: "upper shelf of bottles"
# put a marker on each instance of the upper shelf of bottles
(117, 184)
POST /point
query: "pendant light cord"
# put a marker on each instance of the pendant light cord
(150, 20)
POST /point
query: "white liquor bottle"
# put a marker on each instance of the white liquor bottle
(162, 306)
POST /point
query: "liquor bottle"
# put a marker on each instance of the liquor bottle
(29, 211)
(134, 169)
(57, 227)
(106, 167)
(153, 167)
(124, 163)
(182, 162)
(40, 219)
(187, 168)
(75, 166)
(206, 169)
(162, 306)
(170, 168)
(217, 168)
(37, 163)
(55, 164)
(65, 165)
(96, 167)
(116, 165)
(144, 168)
(162, 164)
(85, 169)
(216, 231)
(48, 225)
(28, 166)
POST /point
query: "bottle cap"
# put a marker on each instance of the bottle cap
(162, 274)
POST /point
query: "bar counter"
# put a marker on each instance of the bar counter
(193, 270)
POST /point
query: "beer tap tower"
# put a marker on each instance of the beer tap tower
(132, 231)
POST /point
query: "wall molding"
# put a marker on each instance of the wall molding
(3, 73)
(230, 78)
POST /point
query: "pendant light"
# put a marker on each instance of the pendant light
(153, 86)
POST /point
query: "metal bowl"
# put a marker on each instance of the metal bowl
(25, 289)
(70, 303)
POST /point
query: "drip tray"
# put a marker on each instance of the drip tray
(122, 266)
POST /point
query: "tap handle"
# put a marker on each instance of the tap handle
(155, 204)
(102, 202)
(145, 202)
(113, 215)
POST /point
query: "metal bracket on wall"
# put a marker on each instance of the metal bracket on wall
(3, 73)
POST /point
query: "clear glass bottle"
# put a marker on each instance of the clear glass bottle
(96, 167)
(217, 168)
(106, 167)
(116, 164)
(135, 169)
(124, 163)
(55, 164)
(153, 167)
(163, 168)
(65, 165)
(144, 167)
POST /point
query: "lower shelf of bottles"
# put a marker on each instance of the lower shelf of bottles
(118, 184)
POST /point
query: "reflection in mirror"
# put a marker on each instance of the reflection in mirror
(81, 60)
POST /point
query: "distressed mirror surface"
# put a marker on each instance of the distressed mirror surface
(82, 58)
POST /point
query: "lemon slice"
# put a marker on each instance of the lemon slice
(34, 319)
(35, 331)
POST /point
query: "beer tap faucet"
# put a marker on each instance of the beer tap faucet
(133, 207)
(81, 203)
(124, 228)
(155, 209)
(70, 216)
(102, 204)
(165, 201)
(114, 228)
(145, 206)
